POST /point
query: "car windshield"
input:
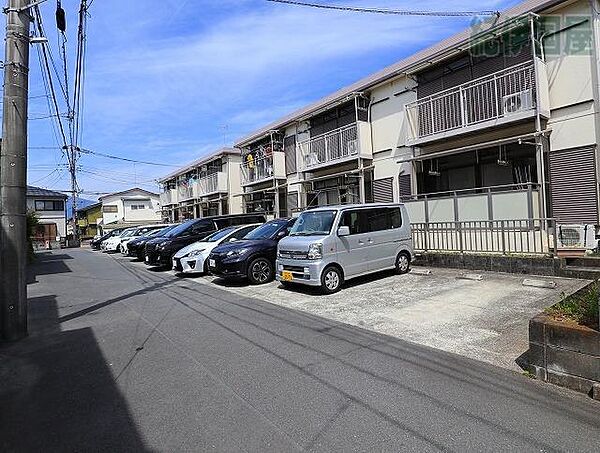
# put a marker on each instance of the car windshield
(127, 233)
(179, 229)
(156, 232)
(313, 223)
(218, 235)
(267, 230)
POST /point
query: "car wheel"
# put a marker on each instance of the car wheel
(402, 263)
(331, 280)
(260, 271)
(205, 267)
(118, 248)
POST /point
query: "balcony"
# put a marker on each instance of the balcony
(168, 197)
(332, 147)
(503, 97)
(208, 185)
(263, 169)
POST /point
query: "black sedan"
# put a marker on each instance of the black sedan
(254, 256)
(95, 243)
(135, 247)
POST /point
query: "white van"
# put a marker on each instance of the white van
(331, 244)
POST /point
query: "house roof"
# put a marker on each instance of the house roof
(401, 67)
(39, 192)
(126, 192)
(200, 161)
(89, 207)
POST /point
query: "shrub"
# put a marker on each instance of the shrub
(581, 307)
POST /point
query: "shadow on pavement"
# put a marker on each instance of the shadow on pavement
(47, 263)
(57, 392)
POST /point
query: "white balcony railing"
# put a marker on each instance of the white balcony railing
(185, 190)
(329, 147)
(263, 168)
(504, 94)
(168, 197)
(216, 182)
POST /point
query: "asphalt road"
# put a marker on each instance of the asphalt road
(121, 358)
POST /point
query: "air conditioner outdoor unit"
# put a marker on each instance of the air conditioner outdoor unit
(352, 147)
(517, 102)
(577, 236)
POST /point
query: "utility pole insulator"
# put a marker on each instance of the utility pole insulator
(13, 174)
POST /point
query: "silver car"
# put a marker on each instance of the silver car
(331, 244)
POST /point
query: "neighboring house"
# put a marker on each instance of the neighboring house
(87, 220)
(203, 188)
(492, 123)
(129, 208)
(49, 207)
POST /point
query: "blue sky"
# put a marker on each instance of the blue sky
(172, 80)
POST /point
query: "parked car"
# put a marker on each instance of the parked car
(253, 257)
(160, 251)
(329, 245)
(113, 244)
(141, 231)
(95, 243)
(193, 258)
(136, 247)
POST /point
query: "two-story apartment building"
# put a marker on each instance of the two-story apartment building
(495, 122)
(128, 208)
(49, 207)
(205, 187)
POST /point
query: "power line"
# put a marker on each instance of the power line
(397, 12)
(110, 156)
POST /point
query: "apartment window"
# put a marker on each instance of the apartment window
(135, 207)
(49, 205)
(110, 209)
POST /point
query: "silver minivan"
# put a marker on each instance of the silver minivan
(331, 244)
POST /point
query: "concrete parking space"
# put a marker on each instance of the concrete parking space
(486, 320)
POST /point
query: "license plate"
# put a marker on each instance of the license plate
(287, 276)
(212, 263)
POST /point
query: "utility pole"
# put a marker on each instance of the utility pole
(13, 174)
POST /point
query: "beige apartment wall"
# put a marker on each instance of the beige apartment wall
(571, 79)
(235, 185)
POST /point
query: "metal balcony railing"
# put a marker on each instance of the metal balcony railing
(491, 97)
(329, 147)
(185, 190)
(257, 169)
(208, 184)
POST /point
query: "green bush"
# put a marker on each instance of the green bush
(581, 307)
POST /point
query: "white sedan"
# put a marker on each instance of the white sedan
(192, 259)
(113, 244)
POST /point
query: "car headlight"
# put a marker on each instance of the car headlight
(195, 253)
(315, 251)
(163, 243)
(238, 252)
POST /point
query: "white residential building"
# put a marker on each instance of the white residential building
(128, 208)
(49, 207)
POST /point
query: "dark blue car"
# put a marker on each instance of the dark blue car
(252, 257)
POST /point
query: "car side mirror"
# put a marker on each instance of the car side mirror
(343, 231)
(282, 234)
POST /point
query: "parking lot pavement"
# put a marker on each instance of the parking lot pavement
(486, 320)
(121, 358)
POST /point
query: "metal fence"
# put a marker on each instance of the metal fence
(523, 236)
